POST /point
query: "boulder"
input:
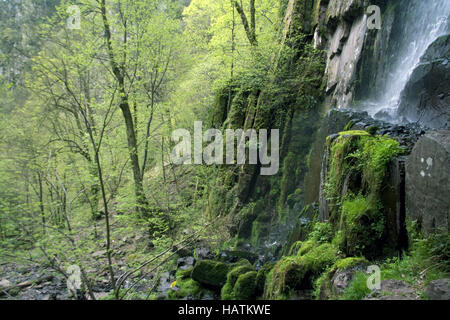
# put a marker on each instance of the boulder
(438, 290)
(428, 183)
(426, 97)
(210, 273)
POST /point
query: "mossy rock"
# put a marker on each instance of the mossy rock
(245, 287)
(183, 274)
(238, 269)
(298, 272)
(305, 247)
(210, 272)
(186, 288)
(358, 171)
(324, 288)
(233, 256)
(293, 250)
(363, 226)
(261, 277)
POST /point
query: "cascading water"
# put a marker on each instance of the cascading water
(421, 23)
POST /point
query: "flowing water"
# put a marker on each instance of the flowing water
(420, 23)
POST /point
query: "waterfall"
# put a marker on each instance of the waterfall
(420, 23)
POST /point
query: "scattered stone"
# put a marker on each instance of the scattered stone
(5, 283)
(185, 263)
(393, 290)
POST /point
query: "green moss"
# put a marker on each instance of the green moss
(260, 229)
(261, 277)
(209, 272)
(245, 287)
(358, 167)
(238, 269)
(322, 232)
(186, 288)
(183, 274)
(322, 286)
(347, 263)
(362, 223)
(298, 272)
(226, 293)
(306, 247)
(353, 133)
(294, 248)
(357, 288)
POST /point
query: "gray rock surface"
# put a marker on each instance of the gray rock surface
(393, 290)
(438, 290)
(428, 182)
(426, 97)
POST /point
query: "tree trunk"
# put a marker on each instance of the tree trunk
(141, 199)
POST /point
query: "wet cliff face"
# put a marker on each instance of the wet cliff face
(398, 75)
(351, 66)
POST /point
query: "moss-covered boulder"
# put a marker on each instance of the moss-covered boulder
(238, 269)
(357, 171)
(245, 287)
(187, 288)
(332, 283)
(298, 272)
(210, 272)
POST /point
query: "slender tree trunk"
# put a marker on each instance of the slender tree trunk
(141, 199)
(249, 30)
(41, 201)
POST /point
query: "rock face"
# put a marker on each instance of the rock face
(345, 47)
(428, 183)
(438, 290)
(426, 97)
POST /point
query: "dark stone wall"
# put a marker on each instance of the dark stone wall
(428, 182)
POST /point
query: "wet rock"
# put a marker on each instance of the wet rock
(341, 280)
(426, 97)
(428, 183)
(393, 290)
(438, 290)
(203, 253)
(185, 263)
(236, 255)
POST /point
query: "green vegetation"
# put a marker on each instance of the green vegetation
(298, 272)
(86, 123)
(210, 272)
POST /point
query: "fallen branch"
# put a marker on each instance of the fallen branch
(26, 284)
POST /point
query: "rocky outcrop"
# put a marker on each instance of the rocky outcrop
(438, 290)
(427, 182)
(426, 97)
(348, 27)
